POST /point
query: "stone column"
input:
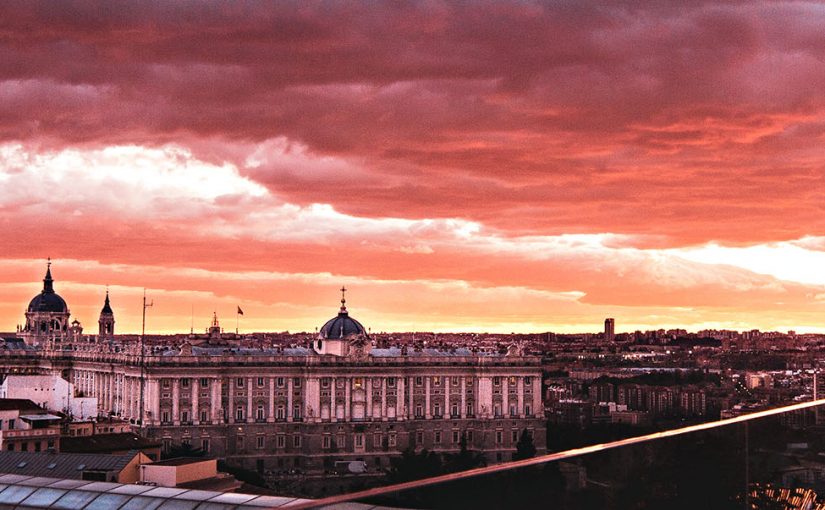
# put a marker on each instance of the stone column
(134, 395)
(112, 390)
(250, 415)
(270, 414)
(400, 405)
(347, 399)
(410, 408)
(384, 398)
(216, 399)
(146, 413)
(289, 416)
(427, 413)
(104, 392)
(176, 401)
(312, 400)
(368, 403)
(447, 387)
(104, 399)
(520, 390)
(505, 396)
(538, 406)
(127, 396)
(484, 397)
(195, 387)
(230, 402)
(463, 409)
(151, 397)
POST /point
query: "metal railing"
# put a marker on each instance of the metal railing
(558, 456)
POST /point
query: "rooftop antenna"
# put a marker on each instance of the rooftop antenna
(192, 321)
(143, 362)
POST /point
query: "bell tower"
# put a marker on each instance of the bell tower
(106, 322)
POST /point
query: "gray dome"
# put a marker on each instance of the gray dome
(341, 326)
(48, 300)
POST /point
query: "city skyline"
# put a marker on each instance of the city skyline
(500, 167)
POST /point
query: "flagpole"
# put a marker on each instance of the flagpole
(237, 319)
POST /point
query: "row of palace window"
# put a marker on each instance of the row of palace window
(357, 382)
(280, 412)
(358, 440)
(240, 414)
(260, 442)
(240, 382)
(454, 408)
(280, 441)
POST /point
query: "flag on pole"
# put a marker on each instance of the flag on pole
(240, 312)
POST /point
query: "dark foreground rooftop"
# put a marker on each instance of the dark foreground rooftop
(18, 491)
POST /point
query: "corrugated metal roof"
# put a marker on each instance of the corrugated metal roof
(61, 465)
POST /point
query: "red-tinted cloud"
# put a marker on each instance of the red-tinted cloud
(420, 142)
(698, 121)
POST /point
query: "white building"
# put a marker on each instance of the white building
(49, 392)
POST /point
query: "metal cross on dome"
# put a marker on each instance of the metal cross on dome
(343, 298)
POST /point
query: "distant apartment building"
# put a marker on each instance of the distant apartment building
(26, 427)
(609, 329)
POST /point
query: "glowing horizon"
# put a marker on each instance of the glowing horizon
(501, 167)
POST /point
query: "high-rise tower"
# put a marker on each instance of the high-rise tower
(609, 329)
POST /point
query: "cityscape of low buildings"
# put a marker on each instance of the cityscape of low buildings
(337, 406)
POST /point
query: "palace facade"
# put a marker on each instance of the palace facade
(337, 398)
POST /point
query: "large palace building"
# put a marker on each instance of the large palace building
(340, 397)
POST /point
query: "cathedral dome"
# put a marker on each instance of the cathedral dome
(48, 300)
(341, 326)
(45, 302)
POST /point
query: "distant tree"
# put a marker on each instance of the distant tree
(464, 459)
(525, 449)
(183, 450)
(244, 475)
(414, 466)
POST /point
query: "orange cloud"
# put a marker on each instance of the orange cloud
(522, 150)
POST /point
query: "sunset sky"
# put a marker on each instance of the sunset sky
(474, 166)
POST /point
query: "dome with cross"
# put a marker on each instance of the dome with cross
(342, 325)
